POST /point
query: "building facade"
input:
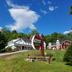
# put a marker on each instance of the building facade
(20, 44)
(58, 46)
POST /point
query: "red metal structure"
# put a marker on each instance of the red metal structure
(40, 39)
(65, 44)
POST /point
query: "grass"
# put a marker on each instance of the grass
(17, 63)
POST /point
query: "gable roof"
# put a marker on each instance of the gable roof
(27, 40)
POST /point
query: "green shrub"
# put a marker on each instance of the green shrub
(8, 49)
(68, 56)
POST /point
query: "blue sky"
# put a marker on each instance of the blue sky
(47, 16)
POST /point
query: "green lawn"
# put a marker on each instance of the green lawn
(17, 63)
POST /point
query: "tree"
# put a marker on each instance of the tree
(53, 37)
(3, 41)
(14, 31)
(71, 10)
(7, 33)
(68, 56)
(56, 36)
(69, 36)
(34, 31)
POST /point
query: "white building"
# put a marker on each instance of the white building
(20, 44)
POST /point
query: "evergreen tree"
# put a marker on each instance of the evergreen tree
(68, 56)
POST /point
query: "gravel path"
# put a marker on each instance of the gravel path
(5, 54)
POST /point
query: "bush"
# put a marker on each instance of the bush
(3, 41)
(8, 49)
(68, 56)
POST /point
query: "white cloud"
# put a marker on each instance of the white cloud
(66, 32)
(52, 8)
(10, 4)
(44, 12)
(23, 16)
(0, 28)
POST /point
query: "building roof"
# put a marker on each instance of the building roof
(20, 42)
(27, 40)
